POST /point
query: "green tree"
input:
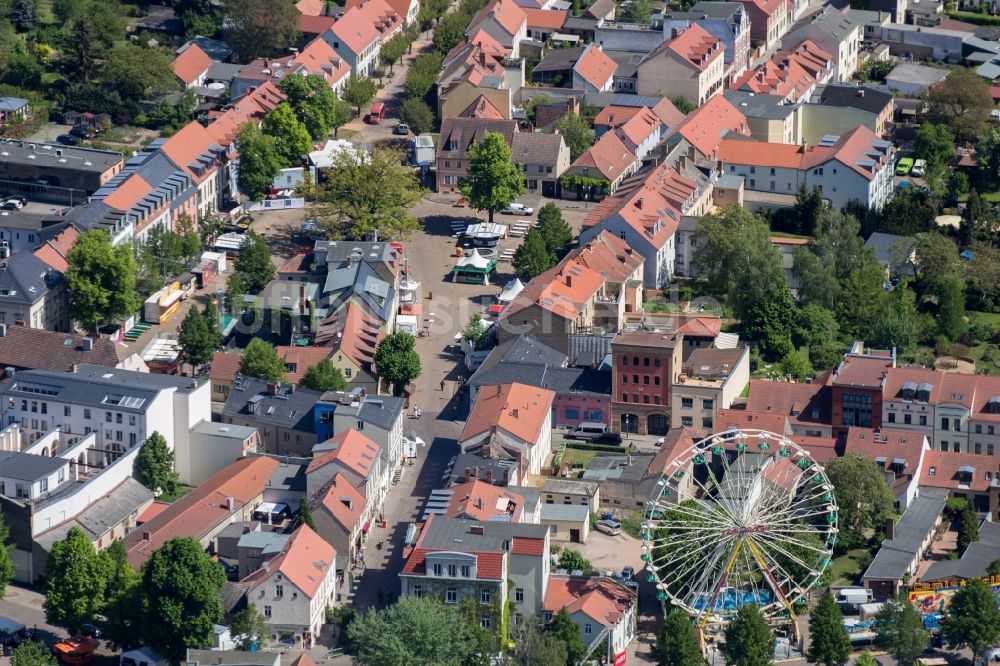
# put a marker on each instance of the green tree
(572, 560)
(74, 583)
(248, 628)
(65, 10)
(366, 194)
(494, 180)
(119, 576)
(358, 91)
(683, 105)
(576, 132)
(866, 659)
(532, 257)
(196, 341)
(315, 104)
(962, 102)
(563, 628)
(973, 619)
(305, 516)
(796, 365)
(417, 115)
(6, 563)
(154, 466)
(554, 230)
(749, 641)
(951, 310)
(935, 143)
(397, 361)
(740, 264)
(637, 11)
(422, 75)
(412, 631)
(136, 72)
(968, 528)
(260, 161)
(180, 601)
(533, 647)
(291, 136)
(82, 49)
(994, 568)
(829, 643)
(863, 497)
(260, 28)
(907, 213)
(817, 329)
(450, 32)
(677, 644)
(210, 314)
(899, 629)
(394, 49)
(253, 264)
(32, 653)
(101, 280)
(261, 360)
(895, 324)
(475, 330)
(324, 376)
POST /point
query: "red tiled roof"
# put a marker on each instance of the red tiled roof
(489, 566)
(352, 333)
(305, 561)
(595, 67)
(311, 7)
(190, 64)
(482, 108)
(563, 290)
(668, 114)
(356, 30)
(640, 126)
(354, 451)
(478, 500)
(225, 366)
(615, 116)
(941, 470)
(383, 17)
(767, 7)
(864, 371)
(794, 400)
(600, 599)
(54, 251)
(155, 509)
(302, 358)
(694, 46)
(128, 193)
(739, 418)
(822, 449)
(888, 444)
(609, 156)
(524, 546)
(758, 153)
(548, 19)
(516, 408)
(186, 146)
(315, 25)
(343, 501)
(790, 74)
(608, 255)
(204, 508)
(704, 127)
(506, 13)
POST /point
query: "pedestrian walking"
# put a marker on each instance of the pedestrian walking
(442, 386)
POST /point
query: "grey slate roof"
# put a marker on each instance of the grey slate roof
(570, 486)
(755, 105)
(360, 279)
(974, 562)
(28, 466)
(566, 512)
(847, 95)
(223, 430)
(12, 103)
(559, 60)
(24, 278)
(882, 244)
(714, 10)
(583, 381)
(83, 159)
(896, 555)
(603, 99)
(466, 131)
(231, 658)
(105, 513)
(289, 409)
(455, 534)
(524, 349)
(536, 148)
(289, 475)
(380, 411)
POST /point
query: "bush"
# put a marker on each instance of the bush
(585, 446)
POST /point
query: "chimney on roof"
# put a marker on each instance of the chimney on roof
(87, 344)
(272, 388)
(478, 503)
(569, 281)
(514, 412)
(147, 536)
(674, 32)
(890, 528)
(468, 473)
(482, 58)
(303, 305)
(476, 529)
(628, 251)
(861, 92)
(230, 504)
(489, 476)
(499, 390)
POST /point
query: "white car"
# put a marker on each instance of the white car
(918, 168)
(518, 209)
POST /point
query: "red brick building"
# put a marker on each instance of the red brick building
(644, 365)
(856, 386)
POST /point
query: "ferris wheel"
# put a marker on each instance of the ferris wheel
(740, 517)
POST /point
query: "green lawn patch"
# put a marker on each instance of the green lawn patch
(181, 491)
(992, 197)
(991, 318)
(847, 567)
(577, 458)
(632, 523)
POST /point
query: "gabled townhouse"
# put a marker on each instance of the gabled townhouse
(505, 22)
(512, 421)
(805, 406)
(594, 70)
(710, 379)
(705, 127)
(318, 58)
(356, 39)
(602, 168)
(294, 589)
(386, 20)
(32, 294)
(964, 475)
(857, 166)
(898, 453)
(23, 348)
(834, 32)
(479, 81)
(229, 496)
(351, 338)
(195, 152)
(543, 23)
(479, 501)
(543, 158)
(408, 9)
(457, 136)
(380, 418)
(191, 65)
(346, 484)
(769, 20)
(492, 563)
(604, 610)
(59, 482)
(360, 284)
(866, 105)
(690, 64)
(641, 133)
(728, 21)
(791, 75)
(856, 386)
(645, 212)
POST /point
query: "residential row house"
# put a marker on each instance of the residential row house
(318, 59)
(690, 64)
(727, 21)
(505, 21)
(791, 75)
(834, 32)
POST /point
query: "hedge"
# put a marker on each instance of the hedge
(975, 17)
(584, 446)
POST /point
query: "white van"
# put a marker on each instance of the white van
(855, 595)
(587, 431)
(609, 527)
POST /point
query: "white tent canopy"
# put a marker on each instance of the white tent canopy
(510, 291)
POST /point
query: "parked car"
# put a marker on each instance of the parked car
(402, 129)
(609, 527)
(14, 203)
(91, 630)
(628, 573)
(68, 140)
(587, 431)
(518, 209)
(903, 166)
(83, 130)
(918, 169)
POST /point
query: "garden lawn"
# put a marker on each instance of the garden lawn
(181, 491)
(578, 458)
(847, 569)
